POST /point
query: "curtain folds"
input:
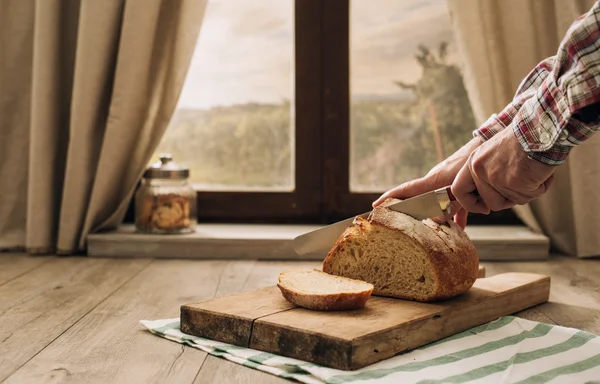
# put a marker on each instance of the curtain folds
(88, 88)
(500, 41)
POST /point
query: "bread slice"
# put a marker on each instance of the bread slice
(314, 289)
(405, 258)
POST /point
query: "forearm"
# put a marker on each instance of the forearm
(557, 105)
(563, 112)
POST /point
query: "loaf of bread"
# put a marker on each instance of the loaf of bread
(314, 289)
(405, 258)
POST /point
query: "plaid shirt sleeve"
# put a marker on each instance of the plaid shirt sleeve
(557, 106)
(527, 88)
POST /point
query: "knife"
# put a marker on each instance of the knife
(429, 205)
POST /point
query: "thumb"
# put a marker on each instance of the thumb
(407, 190)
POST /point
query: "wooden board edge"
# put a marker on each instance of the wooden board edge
(322, 348)
(202, 319)
(353, 355)
(535, 293)
(228, 329)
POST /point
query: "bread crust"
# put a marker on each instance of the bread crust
(339, 301)
(449, 249)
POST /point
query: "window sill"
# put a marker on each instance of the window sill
(274, 242)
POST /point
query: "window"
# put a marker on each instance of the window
(307, 110)
(409, 106)
(233, 124)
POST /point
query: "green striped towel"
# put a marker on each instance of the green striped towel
(508, 350)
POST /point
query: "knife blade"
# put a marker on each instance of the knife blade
(437, 203)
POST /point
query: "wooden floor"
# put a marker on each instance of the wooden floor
(77, 319)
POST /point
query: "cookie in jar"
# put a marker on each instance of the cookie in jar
(165, 201)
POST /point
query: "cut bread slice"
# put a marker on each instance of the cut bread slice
(405, 258)
(317, 290)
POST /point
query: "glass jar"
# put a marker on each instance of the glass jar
(165, 201)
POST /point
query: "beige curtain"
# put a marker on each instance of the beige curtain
(86, 91)
(500, 41)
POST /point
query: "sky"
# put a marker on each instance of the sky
(245, 49)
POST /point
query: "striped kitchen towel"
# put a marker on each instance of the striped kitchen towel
(508, 350)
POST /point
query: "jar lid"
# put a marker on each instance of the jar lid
(166, 168)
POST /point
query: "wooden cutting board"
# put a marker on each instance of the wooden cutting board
(262, 319)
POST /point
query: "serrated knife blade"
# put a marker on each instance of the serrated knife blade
(429, 205)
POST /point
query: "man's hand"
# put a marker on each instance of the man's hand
(440, 176)
(502, 174)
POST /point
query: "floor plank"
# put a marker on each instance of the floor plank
(234, 277)
(109, 344)
(40, 305)
(91, 330)
(575, 298)
(216, 370)
(14, 265)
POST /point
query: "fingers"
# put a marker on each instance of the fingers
(440, 219)
(493, 199)
(521, 198)
(461, 218)
(489, 198)
(464, 189)
(406, 190)
(543, 188)
(451, 211)
(453, 208)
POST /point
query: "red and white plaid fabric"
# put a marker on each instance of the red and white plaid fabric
(557, 106)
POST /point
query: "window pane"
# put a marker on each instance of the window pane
(409, 105)
(233, 123)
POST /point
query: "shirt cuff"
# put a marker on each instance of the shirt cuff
(561, 145)
(554, 156)
(496, 123)
(543, 125)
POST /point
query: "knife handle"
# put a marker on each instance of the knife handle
(453, 198)
(450, 195)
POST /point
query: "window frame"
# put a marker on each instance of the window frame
(339, 201)
(322, 135)
(304, 203)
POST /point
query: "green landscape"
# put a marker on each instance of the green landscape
(392, 140)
